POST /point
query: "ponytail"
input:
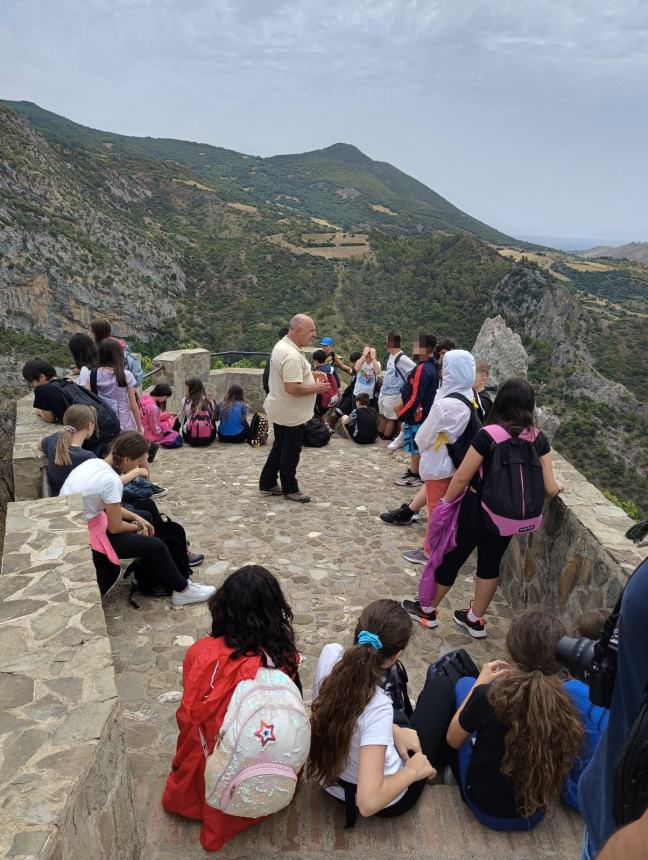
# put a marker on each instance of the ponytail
(383, 629)
(76, 418)
(543, 730)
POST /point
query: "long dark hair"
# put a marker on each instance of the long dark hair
(514, 406)
(543, 730)
(250, 612)
(112, 355)
(83, 349)
(196, 394)
(346, 692)
(234, 393)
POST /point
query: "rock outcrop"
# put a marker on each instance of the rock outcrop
(502, 348)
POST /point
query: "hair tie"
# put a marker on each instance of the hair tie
(69, 429)
(367, 638)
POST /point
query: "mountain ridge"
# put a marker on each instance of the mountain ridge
(636, 252)
(314, 181)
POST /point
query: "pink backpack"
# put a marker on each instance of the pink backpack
(200, 428)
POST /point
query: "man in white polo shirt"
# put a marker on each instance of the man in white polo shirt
(289, 405)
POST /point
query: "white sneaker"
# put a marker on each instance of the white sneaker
(396, 443)
(193, 593)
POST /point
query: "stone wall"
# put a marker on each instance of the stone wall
(65, 788)
(178, 365)
(28, 459)
(249, 378)
(580, 558)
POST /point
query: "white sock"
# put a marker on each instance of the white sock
(427, 609)
(472, 617)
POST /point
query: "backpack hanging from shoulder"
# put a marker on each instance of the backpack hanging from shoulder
(262, 746)
(107, 420)
(512, 493)
(331, 397)
(257, 430)
(200, 428)
(458, 449)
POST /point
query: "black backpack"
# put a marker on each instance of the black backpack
(458, 449)
(257, 430)
(107, 420)
(454, 665)
(316, 434)
(144, 575)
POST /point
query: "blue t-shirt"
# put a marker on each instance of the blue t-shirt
(594, 721)
(231, 424)
(596, 787)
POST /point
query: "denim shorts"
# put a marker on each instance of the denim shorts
(409, 432)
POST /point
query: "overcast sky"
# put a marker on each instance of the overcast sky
(531, 115)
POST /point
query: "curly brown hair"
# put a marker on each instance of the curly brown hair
(346, 692)
(543, 730)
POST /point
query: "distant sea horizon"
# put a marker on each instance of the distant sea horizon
(572, 243)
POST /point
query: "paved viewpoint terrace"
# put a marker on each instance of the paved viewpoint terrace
(332, 557)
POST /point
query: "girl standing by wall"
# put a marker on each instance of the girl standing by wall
(114, 384)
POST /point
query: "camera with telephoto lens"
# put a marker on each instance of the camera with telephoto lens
(595, 662)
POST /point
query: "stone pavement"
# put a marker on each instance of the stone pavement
(332, 557)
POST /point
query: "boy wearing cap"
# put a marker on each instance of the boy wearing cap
(327, 345)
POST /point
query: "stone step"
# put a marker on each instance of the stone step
(312, 828)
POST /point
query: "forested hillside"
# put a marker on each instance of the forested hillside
(175, 251)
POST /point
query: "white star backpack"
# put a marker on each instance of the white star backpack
(262, 745)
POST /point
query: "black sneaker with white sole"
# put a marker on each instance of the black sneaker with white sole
(195, 558)
(402, 516)
(425, 619)
(475, 628)
(158, 492)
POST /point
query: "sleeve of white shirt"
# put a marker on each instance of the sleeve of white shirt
(292, 369)
(111, 489)
(131, 382)
(376, 724)
(430, 428)
(84, 376)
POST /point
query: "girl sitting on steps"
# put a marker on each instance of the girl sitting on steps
(358, 751)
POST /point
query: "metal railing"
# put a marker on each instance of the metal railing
(151, 372)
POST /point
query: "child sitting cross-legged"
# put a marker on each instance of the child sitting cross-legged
(362, 424)
(516, 729)
(365, 749)
(231, 414)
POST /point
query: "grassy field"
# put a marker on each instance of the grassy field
(385, 211)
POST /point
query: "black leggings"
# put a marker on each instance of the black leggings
(237, 439)
(472, 532)
(130, 545)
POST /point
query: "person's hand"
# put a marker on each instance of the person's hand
(419, 767)
(320, 387)
(372, 353)
(406, 741)
(148, 529)
(140, 472)
(492, 671)
(560, 487)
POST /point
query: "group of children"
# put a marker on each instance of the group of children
(514, 737)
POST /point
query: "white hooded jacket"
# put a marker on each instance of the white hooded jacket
(447, 418)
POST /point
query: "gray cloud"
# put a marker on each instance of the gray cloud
(530, 115)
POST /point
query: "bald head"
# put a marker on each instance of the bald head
(301, 330)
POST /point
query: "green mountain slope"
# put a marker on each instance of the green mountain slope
(338, 184)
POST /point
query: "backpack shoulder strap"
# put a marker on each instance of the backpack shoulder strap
(93, 381)
(498, 434)
(455, 395)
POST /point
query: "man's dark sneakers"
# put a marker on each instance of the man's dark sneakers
(475, 628)
(402, 516)
(272, 491)
(425, 619)
(298, 497)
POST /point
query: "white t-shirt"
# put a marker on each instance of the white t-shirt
(366, 379)
(288, 364)
(97, 482)
(375, 725)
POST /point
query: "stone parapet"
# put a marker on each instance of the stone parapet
(176, 365)
(65, 788)
(580, 559)
(249, 378)
(28, 459)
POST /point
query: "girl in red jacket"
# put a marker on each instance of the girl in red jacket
(250, 618)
